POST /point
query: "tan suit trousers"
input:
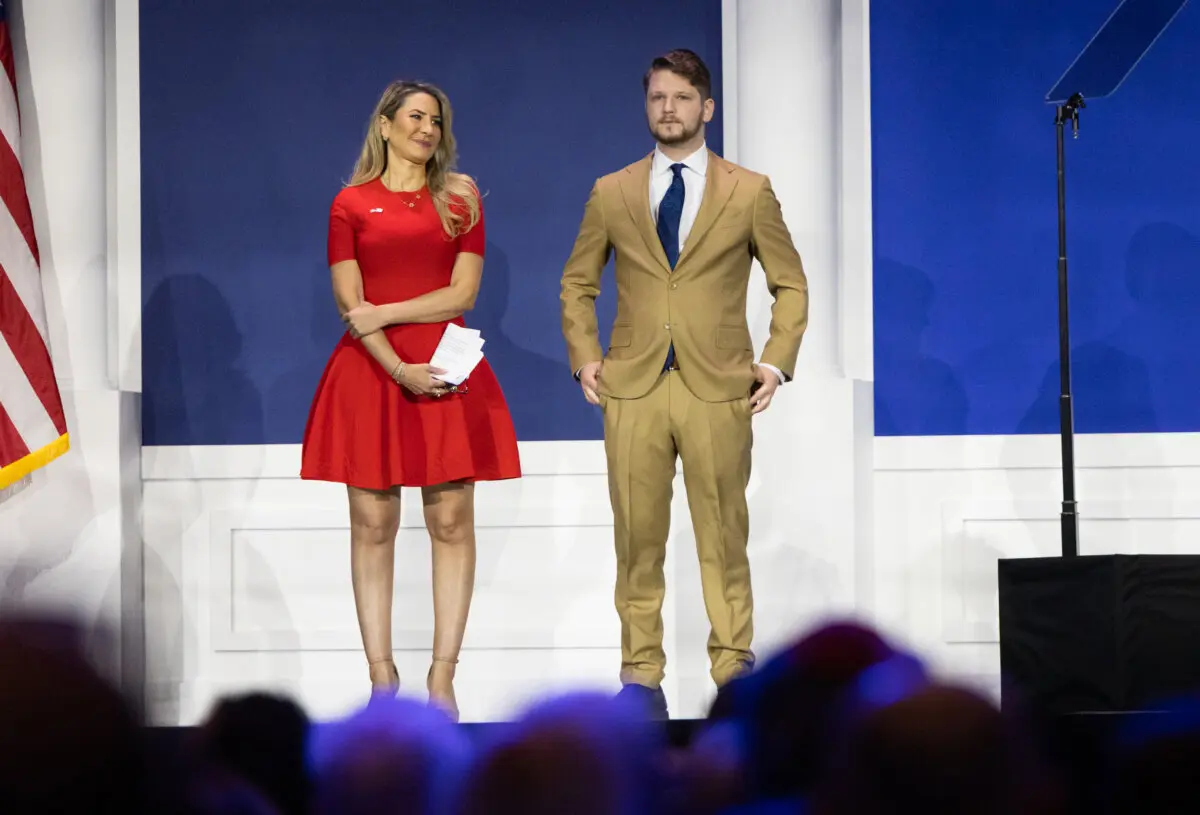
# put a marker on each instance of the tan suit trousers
(642, 438)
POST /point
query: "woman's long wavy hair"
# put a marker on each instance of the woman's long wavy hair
(455, 196)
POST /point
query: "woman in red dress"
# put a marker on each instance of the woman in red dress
(406, 245)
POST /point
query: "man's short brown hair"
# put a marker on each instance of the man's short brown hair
(686, 64)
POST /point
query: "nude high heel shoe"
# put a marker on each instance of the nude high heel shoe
(445, 702)
(387, 686)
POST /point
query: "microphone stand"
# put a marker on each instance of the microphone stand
(1067, 112)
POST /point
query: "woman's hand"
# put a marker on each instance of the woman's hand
(363, 320)
(419, 379)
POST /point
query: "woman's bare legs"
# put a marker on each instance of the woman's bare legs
(374, 522)
(450, 519)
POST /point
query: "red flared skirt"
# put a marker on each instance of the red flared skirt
(366, 431)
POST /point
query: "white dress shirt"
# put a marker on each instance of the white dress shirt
(695, 174)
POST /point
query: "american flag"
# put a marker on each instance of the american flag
(33, 428)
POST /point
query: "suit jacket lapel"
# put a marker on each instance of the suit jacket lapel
(719, 184)
(635, 189)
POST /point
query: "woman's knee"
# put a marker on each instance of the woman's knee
(374, 517)
(450, 524)
(376, 529)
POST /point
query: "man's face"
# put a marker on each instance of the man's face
(674, 109)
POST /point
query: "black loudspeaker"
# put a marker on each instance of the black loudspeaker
(1100, 633)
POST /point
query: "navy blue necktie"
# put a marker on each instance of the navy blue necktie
(669, 213)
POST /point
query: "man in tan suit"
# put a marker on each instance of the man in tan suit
(679, 378)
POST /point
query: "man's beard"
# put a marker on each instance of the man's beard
(685, 133)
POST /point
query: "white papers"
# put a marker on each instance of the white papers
(459, 351)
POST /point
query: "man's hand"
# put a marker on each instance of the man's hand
(760, 398)
(363, 320)
(588, 375)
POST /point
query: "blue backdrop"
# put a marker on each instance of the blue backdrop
(966, 227)
(252, 116)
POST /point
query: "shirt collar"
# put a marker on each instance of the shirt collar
(697, 162)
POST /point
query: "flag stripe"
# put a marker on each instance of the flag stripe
(15, 198)
(22, 270)
(10, 117)
(6, 54)
(31, 354)
(22, 403)
(10, 439)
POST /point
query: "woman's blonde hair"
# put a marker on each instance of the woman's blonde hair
(455, 196)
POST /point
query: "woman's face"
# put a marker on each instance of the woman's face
(415, 132)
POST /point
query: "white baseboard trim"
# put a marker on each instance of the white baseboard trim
(1035, 452)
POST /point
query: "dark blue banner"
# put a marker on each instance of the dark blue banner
(966, 331)
(252, 117)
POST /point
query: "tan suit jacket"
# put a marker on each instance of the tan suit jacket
(700, 305)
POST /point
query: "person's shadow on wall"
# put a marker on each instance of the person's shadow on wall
(913, 380)
(195, 391)
(1142, 376)
(543, 397)
(909, 379)
(291, 393)
(1110, 393)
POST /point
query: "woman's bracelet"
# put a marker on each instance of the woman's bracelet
(398, 372)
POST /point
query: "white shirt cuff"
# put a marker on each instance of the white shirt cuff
(778, 373)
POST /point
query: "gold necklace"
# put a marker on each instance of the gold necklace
(416, 196)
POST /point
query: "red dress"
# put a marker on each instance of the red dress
(365, 430)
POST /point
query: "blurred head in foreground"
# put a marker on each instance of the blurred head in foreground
(586, 754)
(394, 756)
(68, 740)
